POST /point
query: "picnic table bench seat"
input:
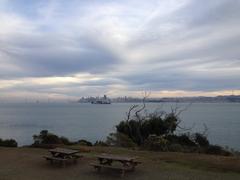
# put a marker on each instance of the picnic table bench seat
(51, 158)
(77, 156)
(110, 161)
(100, 166)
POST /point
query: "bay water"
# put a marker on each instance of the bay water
(94, 121)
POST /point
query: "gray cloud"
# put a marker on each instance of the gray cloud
(186, 45)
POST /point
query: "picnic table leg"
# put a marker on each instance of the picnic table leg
(107, 161)
(133, 168)
(51, 161)
(75, 160)
(123, 173)
(63, 164)
(99, 169)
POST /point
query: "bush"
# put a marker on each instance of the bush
(119, 140)
(65, 141)
(154, 123)
(183, 139)
(51, 139)
(217, 150)
(46, 138)
(100, 143)
(155, 131)
(156, 143)
(84, 142)
(8, 143)
(201, 140)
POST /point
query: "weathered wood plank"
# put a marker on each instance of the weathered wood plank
(115, 157)
(63, 151)
(54, 158)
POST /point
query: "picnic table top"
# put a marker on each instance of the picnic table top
(115, 157)
(63, 151)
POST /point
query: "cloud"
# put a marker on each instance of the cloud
(129, 46)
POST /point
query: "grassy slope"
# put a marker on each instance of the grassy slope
(28, 164)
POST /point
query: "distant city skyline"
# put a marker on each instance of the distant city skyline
(63, 50)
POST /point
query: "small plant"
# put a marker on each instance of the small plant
(215, 149)
(201, 140)
(119, 140)
(156, 143)
(46, 138)
(100, 143)
(8, 143)
(84, 142)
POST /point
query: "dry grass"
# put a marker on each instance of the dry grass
(28, 164)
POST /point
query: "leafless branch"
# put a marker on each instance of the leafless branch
(130, 110)
(145, 96)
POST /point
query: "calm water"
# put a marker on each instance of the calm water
(95, 122)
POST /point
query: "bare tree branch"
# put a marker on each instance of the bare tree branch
(130, 110)
(145, 96)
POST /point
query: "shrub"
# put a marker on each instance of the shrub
(201, 140)
(119, 140)
(84, 142)
(154, 123)
(183, 139)
(130, 129)
(100, 143)
(46, 138)
(155, 131)
(51, 139)
(218, 150)
(156, 143)
(65, 141)
(8, 143)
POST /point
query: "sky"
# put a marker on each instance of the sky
(62, 49)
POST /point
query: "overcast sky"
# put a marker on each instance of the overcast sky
(67, 49)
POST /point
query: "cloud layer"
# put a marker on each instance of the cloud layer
(68, 49)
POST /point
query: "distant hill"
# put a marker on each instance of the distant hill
(199, 99)
(202, 99)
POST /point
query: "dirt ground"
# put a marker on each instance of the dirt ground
(28, 164)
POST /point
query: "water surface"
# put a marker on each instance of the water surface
(94, 122)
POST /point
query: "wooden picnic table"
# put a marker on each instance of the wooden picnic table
(63, 152)
(115, 157)
(62, 155)
(125, 163)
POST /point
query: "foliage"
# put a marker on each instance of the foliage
(201, 140)
(119, 140)
(157, 123)
(215, 149)
(8, 143)
(49, 138)
(84, 142)
(183, 139)
(100, 143)
(157, 143)
(156, 131)
(65, 141)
